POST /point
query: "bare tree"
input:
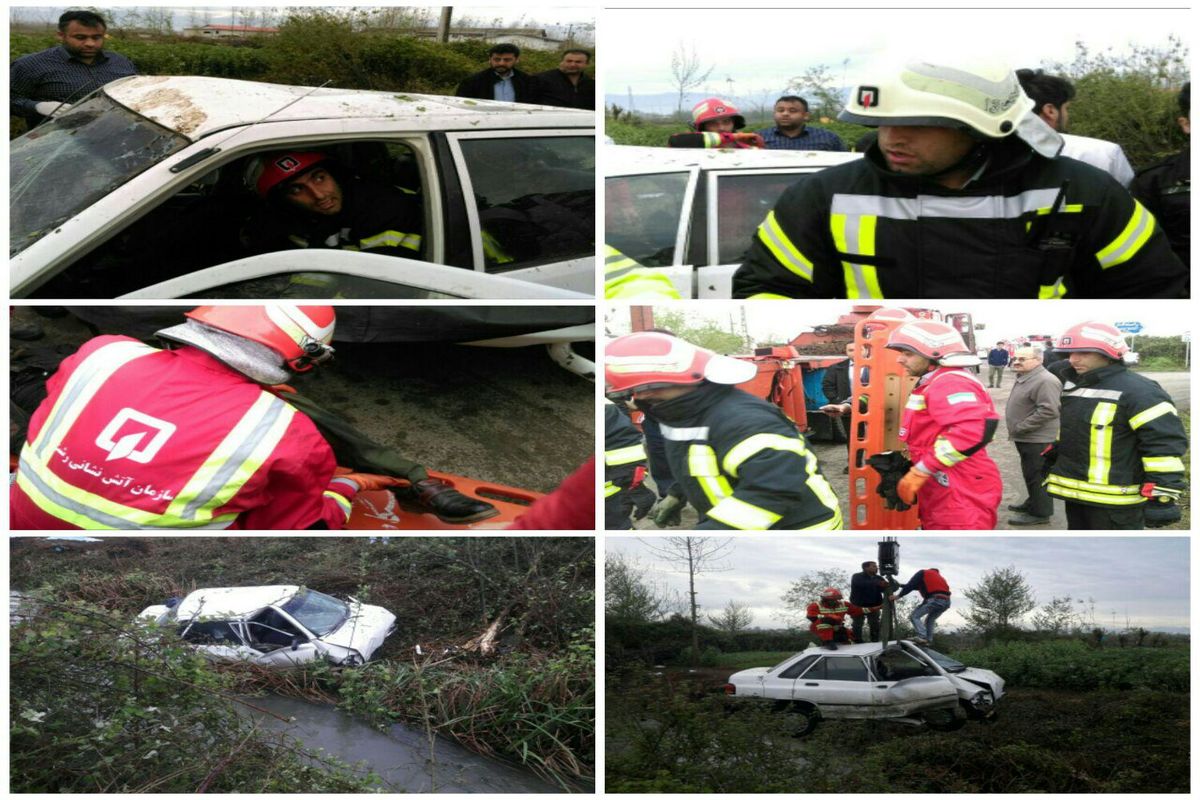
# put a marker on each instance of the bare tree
(734, 618)
(687, 71)
(817, 84)
(696, 554)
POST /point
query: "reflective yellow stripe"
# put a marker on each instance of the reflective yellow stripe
(493, 250)
(640, 283)
(1151, 413)
(1162, 463)
(786, 253)
(411, 241)
(1057, 291)
(1107, 495)
(342, 502)
(742, 515)
(1104, 488)
(1127, 244)
(624, 455)
(916, 402)
(834, 523)
(756, 444)
(944, 452)
(855, 234)
(235, 460)
(1100, 448)
(610, 489)
(702, 465)
(768, 296)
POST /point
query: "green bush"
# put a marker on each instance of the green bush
(1073, 665)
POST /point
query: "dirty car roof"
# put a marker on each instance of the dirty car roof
(623, 159)
(196, 107)
(233, 601)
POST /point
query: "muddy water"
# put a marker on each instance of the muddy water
(400, 756)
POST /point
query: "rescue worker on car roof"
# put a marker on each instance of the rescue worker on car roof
(961, 196)
(736, 457)
(134, 437)
(716, 124)
(1118, 462)
(947, 423)
(314, 201)
(827, 618)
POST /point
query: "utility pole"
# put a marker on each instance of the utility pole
(443, 34)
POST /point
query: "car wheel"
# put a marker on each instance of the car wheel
(946, 719)
(353, 661)
(802, 719)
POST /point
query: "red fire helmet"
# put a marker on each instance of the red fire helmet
(280, 167)
(715, 108)
(831, 594)
(649, 360)
(301, 334)
(1093, 337)
(936, 341)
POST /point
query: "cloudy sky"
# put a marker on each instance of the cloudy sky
(760, 49)
(1144, 580)
(1004, 319)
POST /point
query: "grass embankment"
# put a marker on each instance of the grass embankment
(534, 702)
(1074, 719)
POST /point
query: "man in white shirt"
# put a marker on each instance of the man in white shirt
(1053, 95)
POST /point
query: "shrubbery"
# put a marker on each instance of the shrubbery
(1075, 666)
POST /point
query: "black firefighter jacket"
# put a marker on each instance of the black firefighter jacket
(1026, 227)
(743, 464)
(1119, 430)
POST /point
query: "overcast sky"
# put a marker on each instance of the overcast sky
(760, 49)
(779, 321)
(1143, 579)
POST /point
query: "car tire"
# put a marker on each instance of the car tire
(946, 719)
(803, 719)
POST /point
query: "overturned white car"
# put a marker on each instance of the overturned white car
(276, 626)
(902, 681)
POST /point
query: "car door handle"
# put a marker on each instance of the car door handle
(812, 684)
(883, 686)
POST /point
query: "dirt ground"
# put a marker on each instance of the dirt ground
(833, 460)
(510, 416)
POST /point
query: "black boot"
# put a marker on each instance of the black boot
(449, 504)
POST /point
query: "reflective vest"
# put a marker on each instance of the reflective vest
(831, 617)
(623, 450)
(1027, 227)
(1119, 434)
(131, 437)
(626, 279)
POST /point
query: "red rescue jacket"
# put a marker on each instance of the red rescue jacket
(948, 419)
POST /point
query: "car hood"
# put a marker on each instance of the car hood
(981, 677)
(364, 630)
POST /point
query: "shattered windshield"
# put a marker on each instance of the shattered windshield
(64, 165)
(944, 661)
(318, 612)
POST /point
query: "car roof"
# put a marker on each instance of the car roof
(863, 649)
(623, 159)
(195, 106)
(231, 602)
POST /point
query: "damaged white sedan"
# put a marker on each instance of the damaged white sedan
(276, 626)
(902, 681)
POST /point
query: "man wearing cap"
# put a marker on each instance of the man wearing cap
(947, 423)
(961, 196)
(736, 457)
(1118, 462)
(315, 201)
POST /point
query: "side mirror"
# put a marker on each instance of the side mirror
(296, 640)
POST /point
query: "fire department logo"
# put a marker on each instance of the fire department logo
(1065, 340)
(125, 436)
(868, 96)
(287, 164)
(719, 110)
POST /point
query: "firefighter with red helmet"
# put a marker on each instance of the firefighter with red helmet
(827, 618)
(1118, 463)
(199, 437)
(737, 458)
(315, 201)
(715, 124)
(947, 423)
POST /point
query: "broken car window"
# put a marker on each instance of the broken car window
(318, 612)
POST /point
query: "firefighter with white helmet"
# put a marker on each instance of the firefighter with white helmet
(1118, 463)
(827, 618)
(716, 123)
(947, 423)
(960, 196)
(736, 457)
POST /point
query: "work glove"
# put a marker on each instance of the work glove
(892, 466)
(1049, 457)
(669, 512)
(447, 503)
(1160, 515)
(911, 483)
(742, 140)
(642, 499)
(48, 107)
(369, 482)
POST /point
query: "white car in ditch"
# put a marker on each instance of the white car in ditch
(145, 189)
(692, 213)
(276, 626)
(901, 681)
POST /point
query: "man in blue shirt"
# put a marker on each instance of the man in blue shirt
(997, 361)
(51, 80)
(791, 131)
(501, 80)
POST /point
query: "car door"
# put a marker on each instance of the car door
(529, 199)
(905, 685)
(647, 214)
(839, 684)
(279, 641)
(781, 684)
